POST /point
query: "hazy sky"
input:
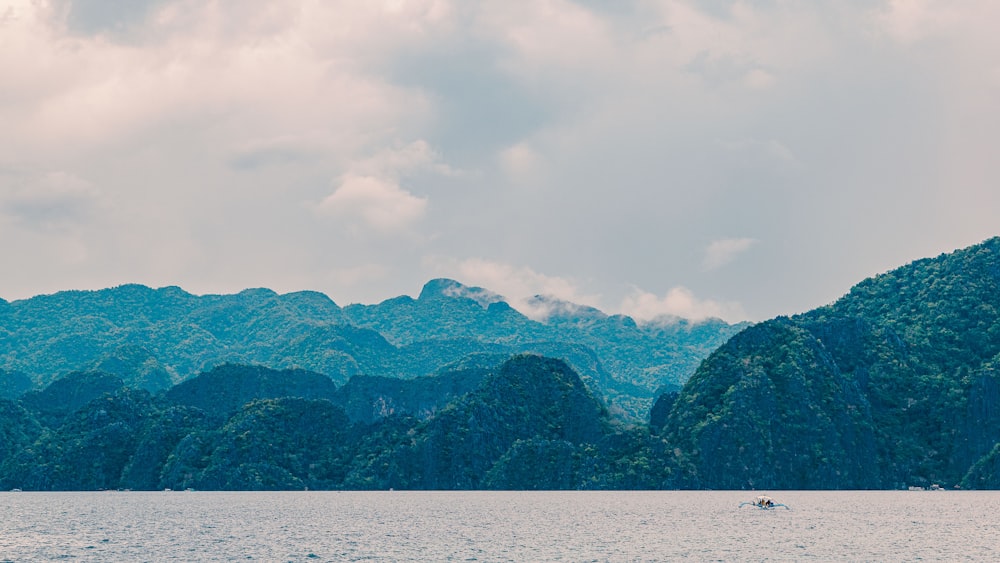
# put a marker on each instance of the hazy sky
(734, 159)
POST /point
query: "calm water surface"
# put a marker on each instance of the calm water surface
(501, 526)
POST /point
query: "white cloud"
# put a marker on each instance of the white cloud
(371, 191)
(518, 285)
(556, 35)
(723, 251)
(279, 72)
(376, 202)
(679, 302)
(521, 287)
(520, 161)
(558, 133)
(278, 150)
(401, 161)
(542, 308)
(910, 21)
(481, 295)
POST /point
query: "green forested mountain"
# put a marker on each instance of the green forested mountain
(527, 411)
(895, 384)
(155, 338)
(368, 398)
(225, 389)
(528, 398)
(14, 384)
(68, 394)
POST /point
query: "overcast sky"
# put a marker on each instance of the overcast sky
(715, 158)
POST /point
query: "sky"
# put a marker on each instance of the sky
(715, 158)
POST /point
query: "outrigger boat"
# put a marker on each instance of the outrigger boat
(764, 502)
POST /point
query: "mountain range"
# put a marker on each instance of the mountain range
(156, 338)
(253, 428)
(895, 385)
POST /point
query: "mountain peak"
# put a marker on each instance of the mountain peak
(443, 288)
(258, 293)
(312, 298)
(548, 308)
(439, 287)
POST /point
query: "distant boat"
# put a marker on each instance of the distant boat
(763, 502)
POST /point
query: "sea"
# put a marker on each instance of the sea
(499, 526)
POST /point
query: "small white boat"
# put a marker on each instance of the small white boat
(764, 502)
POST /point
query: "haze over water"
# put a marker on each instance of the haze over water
(498, 526)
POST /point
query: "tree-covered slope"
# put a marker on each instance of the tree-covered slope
(19, 429)
(155, 338)
(272, 444)
(252, 428)
(367, 398)
(528, 398)
(14, 384)
(88, 450)
(625, 361)
(64, 396)
(894, 384)
(225, 389)
(530, 404)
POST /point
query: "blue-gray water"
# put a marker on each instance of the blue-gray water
(503, 526)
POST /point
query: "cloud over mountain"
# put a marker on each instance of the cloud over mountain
(606, 145)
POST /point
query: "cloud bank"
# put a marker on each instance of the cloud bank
(723, 251)
(735, 159)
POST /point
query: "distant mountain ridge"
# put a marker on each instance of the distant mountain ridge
(156, 338)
